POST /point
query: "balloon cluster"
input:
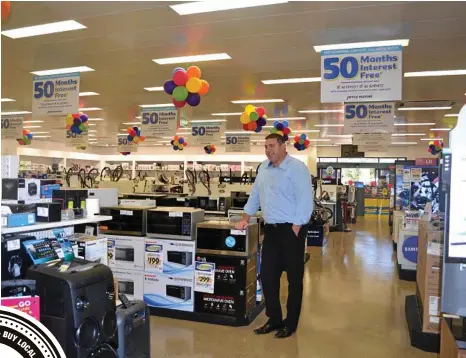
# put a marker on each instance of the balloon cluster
(186, 86)
(435, 147)
(178, 143)
(6, 8)
(134, 135)
(27, 136)
(77, 123)
(210, 149)
(81, 147)
(281, 128)
(350, 182)
(301, 142)
(125, 153)
(253, 118)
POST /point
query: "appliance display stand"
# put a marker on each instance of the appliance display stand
(208, 317)
(428, 342)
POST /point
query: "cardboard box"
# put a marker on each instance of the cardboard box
(130, 282)
(448, 346)
(91, 248)
(169, 292)
(174, 257)
(398, 223)
(125, 252)
(46, 190)
(20, 189)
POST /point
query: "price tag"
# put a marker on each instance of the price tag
(238, 232)
(173, 214)
(12, 127)
(43, 212)
(204, 277)
(154, 257)
(124, 145)
(56, 95)
(12, 245)
(238, 143)
(158, 122)
(207, 133)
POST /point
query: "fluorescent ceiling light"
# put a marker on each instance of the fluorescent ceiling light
(159, 105)
(415, 124)
(321, 111)
(131, 123)
(28, 127)
(59, 71)
(291, 80)
(407, 134)
(185, 128)
(308, 131)
(404, 42)
(329, 125)
(44, 29)
(327, 145)
(41, 136)
(404, 143)
(89, 109)
(34, 133)
(121, 134)
(164, 141)
(33, 122)
(95, 119)
(451, 115)
(92, 135)
(92, 124)
(92, 131)
(440, 129)
(436, 73)
(14, 113)
(198, 7)
(424, 108)
(153, 89)
(319, 140)
(251, 101)
(208, 120)
(431, 138)
(227, 114)
(339, 135)
(191, 59)
(8, 100)
(85, 94)
(182, 133)
(287, 119)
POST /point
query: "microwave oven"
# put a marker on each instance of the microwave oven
(126, 220)
(221, 238)
(179, 292)
(180, 257)
(126, 287)
(177, 200)
(239, 199)
(214, 203)
(124, 253)
(173, 222)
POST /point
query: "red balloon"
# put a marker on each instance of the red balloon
(350, 182)
(75, 115)
(260, 111)
(180, 77)
(245, 127)
(286, 131)
(178, 104)
(142, 138)
(252, 126)
(436, 143)
(185, 144)
(132, 133)
(297, 138)
(306, 142)
(129, 129)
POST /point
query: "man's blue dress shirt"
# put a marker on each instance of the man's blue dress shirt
(283, 193)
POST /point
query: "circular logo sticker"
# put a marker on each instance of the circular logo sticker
(410, 249)
(22, 336)
(230, 241)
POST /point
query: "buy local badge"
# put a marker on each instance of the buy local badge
(204, 277)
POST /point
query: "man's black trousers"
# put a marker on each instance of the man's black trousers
(282, 251)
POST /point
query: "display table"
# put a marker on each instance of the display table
(453, 338)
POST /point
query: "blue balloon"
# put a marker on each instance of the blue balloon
(83, 117)
(181, 140)
(258, 129)
(275, 123)
(177, 69)
(29, 136)
(130, 139)
(175, 147)
(303, 136)
(285, 124)
(138, 133)
(279, 126)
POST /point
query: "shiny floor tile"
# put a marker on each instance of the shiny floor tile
(353, 307)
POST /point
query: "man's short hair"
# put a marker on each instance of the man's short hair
(276, 136)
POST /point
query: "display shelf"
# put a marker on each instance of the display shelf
(63, 223)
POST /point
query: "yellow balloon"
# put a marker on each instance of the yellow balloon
(69, 116)
(194, 85)
(245, 118)
(280, 133)
(136, 140)
(249, 108)
(180, 146)
(175, 143)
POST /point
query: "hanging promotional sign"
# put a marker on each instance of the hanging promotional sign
(361, 74)
(372, 141)
(124, 145)
(369, 117)
(75, 139)
(12, 127)
(158, 122)
(238, 143)
(204, 133)
(204, 277)
(56, 95)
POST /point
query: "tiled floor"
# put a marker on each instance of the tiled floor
(353, 307)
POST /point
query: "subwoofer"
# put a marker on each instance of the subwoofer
(78, 306)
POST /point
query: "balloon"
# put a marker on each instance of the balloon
(253, 116)
(129, 129)
(194, 85)
(306, 142)
(20, 141)
(68, 127)
(260, 111)
(245, 118)
(285, 123)
(301, 141)
(273, 131)
(171, 142)
(69, 120)
(181, 140)
(29, 136)
(178, 104)
(303, 136)
(204, 88)
(193, 99)
(75, 115)
(77, 121)
(279, 126)
(193, 71)
(296, 145)
(6, 8)
(245, 126)
(130, 138)
(275, 123)
(252, 126)
(180, 77)
(169, 86)
(83, 127)
(175, 147)
(180, 146)
(138, 132)
(297, 138)
(180, 93)
(136, 140)
(185, 144)
(286, 130)
(249, 108)
(279, 132)
(261, 121)
(258, 129)
(83, 117)
(135, 128)
(436, 143)
(133, 133)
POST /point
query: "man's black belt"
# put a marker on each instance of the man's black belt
(280, 224)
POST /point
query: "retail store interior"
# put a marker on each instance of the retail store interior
(133, 134)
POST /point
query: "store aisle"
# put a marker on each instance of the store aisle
(353, 306)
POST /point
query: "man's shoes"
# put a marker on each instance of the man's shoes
(284, 332)
(267, 328)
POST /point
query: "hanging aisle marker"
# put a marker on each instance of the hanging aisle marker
(361, 74)
(55, 95)
(159, 122)
(238, 143)
(12, 127)
(204, 133)
(377, 117)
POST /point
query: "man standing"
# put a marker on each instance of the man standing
(283, 191)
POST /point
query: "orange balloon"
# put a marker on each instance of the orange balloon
(193, 71)
(176, 137)
(205, 88)
(142, 138)
(6, 8)
(252, 126)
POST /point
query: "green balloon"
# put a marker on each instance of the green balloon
(273, 131)
(301, 141)
(83, 127)
(180, 93)
(27, 141)
(254, 116)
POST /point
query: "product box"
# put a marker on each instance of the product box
(407, 249)
(398, 223)
(130, 282)
(174, 292)
(450, 343)
(26, 304)
(125, 252)
(48, 212)
(47, 190)
(174, 257)
(20, 189)
(91, 248)
(20, 219)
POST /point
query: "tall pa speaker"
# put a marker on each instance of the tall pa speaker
(77, 302)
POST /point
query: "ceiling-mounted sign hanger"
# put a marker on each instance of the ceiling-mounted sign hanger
(55, 95)
(159, 122)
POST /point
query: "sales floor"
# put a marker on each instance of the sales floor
(353, 307)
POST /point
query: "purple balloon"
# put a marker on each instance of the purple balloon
(77, 121)
(169, 86)
(135, 128)
(193, 99)
(279, 126)
(261, 122)
(84, 118)
(258, 129)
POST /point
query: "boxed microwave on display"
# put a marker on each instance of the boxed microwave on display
(126, 220)
(91, 248)
(221, 238)
(173, 222)
(169, 291)
(175, 257)
(130, 283)
(125, 252)
(20, 189)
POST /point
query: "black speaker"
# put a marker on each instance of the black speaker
(77, 302)
(133, 330)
